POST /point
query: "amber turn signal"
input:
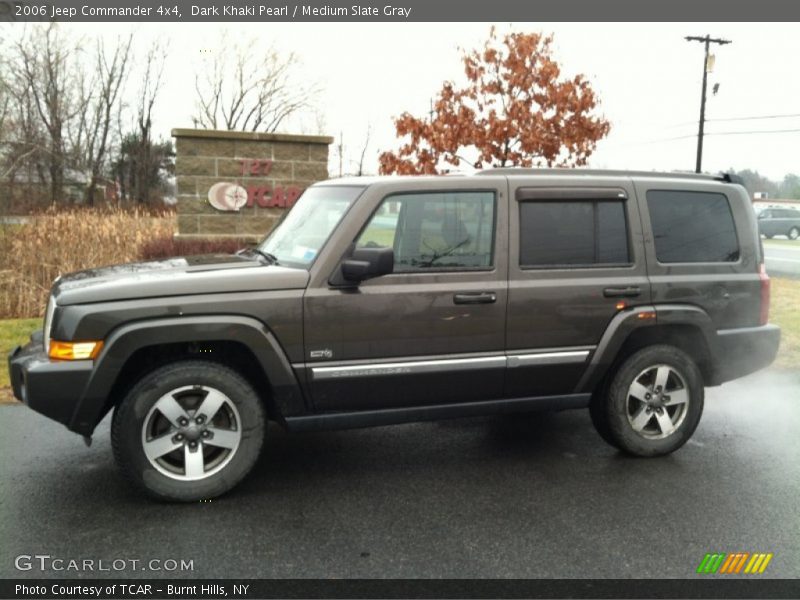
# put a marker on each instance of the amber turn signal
(74, 350)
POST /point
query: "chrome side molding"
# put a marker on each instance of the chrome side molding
(547, 358)
(407, 367)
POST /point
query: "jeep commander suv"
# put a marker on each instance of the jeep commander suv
(387, 300)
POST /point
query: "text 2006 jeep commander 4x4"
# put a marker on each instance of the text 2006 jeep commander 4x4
(386, 300)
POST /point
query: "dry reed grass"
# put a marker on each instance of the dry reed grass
(57, 242)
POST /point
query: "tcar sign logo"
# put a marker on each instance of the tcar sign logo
(227, 196)
(230, 197)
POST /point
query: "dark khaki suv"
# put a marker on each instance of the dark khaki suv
(388, 300)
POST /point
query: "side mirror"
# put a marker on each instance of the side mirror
(363, 264)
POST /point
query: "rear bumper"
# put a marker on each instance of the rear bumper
(52, 388)
(745, 350)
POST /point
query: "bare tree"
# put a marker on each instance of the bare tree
(23, 143)
(246, 90)
(101, 97)
(43, 70)
(61, 102)
(360, 171)
(355, 165)
(5, 109)
(5, 127)
(320, 122)
(140, 182)
(5, 121)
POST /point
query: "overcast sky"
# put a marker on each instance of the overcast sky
(647, 77)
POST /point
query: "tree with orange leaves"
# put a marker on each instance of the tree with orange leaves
(515, 110)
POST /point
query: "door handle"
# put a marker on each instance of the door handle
(622, 292)
(475, 298)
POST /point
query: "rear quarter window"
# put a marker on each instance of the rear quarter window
(691, 227)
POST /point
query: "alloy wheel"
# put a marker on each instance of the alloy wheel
(191, 432)
(657, 402)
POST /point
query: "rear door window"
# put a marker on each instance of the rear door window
(567, 233)
(691, 227)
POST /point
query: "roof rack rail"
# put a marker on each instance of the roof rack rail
(726, 177)
(730, 178)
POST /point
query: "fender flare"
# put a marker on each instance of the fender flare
(121, 344)
(625, 323)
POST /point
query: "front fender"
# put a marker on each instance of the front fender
(124, 341)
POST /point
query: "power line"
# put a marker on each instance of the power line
(750, 118)
(758, 131)
(686, 137)
(757, 118)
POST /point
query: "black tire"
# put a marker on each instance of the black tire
(597, 412)
(794, 233)
(614, 412)
(243, 413)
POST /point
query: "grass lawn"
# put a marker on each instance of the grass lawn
(780, 242)
(785, 312)
(13, 332)
(8, 228)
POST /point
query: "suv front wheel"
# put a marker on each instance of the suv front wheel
(188, 431)
(653, 402)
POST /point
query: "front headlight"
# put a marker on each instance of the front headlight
(48, 322)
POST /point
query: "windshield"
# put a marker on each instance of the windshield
(298, 238)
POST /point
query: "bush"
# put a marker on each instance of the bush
(167, 246)
(56, 242)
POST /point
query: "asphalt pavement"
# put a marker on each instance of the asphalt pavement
(538, 495)
(782, 258)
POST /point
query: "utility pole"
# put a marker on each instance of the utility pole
(707, 40)
(341, 151)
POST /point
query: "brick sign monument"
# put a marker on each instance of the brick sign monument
(237, 184)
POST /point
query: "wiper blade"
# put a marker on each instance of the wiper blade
(271, 258)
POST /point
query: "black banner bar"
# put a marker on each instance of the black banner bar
(746, 586)
(66, 11)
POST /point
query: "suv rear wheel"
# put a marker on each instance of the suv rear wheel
(188, 431)
(794, 233)
(653, 402)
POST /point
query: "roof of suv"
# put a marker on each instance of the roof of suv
(528, 172)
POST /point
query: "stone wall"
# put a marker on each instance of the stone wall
(237, 184)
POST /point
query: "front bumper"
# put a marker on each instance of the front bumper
(52, 388)
(745, 350)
